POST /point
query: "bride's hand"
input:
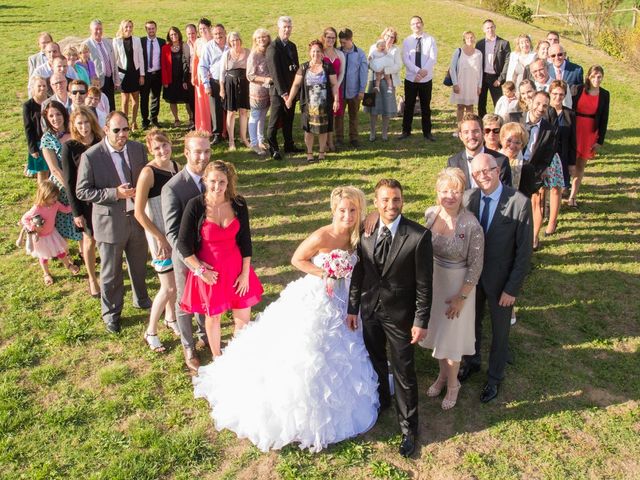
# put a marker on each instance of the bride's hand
(242, 283)
(370, 223)
(329, 283)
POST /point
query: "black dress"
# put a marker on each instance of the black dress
(131, 81)
(70, 159)
(174, 93)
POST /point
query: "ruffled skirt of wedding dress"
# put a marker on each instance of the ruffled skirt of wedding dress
(296, 374)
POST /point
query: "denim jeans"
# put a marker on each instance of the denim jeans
(257, 119)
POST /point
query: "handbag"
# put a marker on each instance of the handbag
(369, 99)
(447, 78)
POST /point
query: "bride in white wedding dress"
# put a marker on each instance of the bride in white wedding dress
(298, 374)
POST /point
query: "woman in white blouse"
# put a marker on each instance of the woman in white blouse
(466, 75)
(519, 59)
(130, 63)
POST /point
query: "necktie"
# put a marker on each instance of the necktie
(126, 171)
(382, 248)
(419, 53)
(202, 186)
(484, 219)
(106, 60)
(558, 74)
(150, 54)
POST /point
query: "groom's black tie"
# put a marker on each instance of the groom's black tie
(382, 248)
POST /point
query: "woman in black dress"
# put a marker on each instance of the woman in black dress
(130, 62)
(318, 85)
(174, 63)
(32, 118)
(85, 132)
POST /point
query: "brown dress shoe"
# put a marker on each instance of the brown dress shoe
(191, 359)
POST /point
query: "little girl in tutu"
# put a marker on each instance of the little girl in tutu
(41, 219)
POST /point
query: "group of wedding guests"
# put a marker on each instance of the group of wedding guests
(376, 283)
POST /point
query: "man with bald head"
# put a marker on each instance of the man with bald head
(505, 217)
(562, 69)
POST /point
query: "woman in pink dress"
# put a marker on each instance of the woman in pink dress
(203, 111)
(336, 58)
(591, 104)
(215, 241)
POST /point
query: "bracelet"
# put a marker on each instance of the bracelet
(198, 272)
(464, 297)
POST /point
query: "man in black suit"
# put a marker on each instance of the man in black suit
(151, 47)
(495, 56)
(505, 216)
(283, 63)
(470, 134)
(391, 288)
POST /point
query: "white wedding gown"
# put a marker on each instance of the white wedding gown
(296, 374)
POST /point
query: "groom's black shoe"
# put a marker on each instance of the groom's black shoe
(489, 392)
(408, 444)
(466, 370)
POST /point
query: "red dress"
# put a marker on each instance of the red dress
(203, 110)
(586, 129)
(219, 249)
(336, 67)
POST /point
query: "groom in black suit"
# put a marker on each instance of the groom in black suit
(391, 288)
(505, 216)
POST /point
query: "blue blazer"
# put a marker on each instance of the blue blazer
(572, 74)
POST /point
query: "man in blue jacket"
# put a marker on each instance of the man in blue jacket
(352, 87)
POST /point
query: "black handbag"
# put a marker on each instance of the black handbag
(369, 99)
(447, 78)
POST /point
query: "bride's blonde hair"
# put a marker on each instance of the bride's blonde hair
(355, 196)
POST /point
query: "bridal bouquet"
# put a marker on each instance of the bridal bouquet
(338, 264)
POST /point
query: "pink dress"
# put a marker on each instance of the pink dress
(586, 130)
(203, 110)
(336, 67)
(219, 249)
(50, 243)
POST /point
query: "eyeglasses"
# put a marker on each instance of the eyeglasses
(554, 55)
(78, 92)
(118, 130)
(485, 171)
(487, 131)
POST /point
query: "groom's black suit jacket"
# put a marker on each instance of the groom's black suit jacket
(404, 286)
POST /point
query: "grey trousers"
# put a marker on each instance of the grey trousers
(111, 275)
(185, 319)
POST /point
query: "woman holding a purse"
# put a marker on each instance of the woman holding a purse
(466, 75)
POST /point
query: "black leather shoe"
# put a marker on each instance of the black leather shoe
(276, 155)
(489, 392)
(144, 305)
(430, 137)
(216, 139)
(404, 135)
(113, 327)
(408, 444)
(466, 370)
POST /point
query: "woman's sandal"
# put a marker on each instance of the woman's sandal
(173, 326)
(437, 387)
(154, 342)
(311, 158)
(321, 156)
(48, 279)
(447, 402)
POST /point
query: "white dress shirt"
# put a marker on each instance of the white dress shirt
(115, 157)
(156, 55)
(428, 57)
(393, 227)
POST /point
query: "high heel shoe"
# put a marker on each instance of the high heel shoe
(448, 402)
(437, 387)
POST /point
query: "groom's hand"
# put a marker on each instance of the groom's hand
(417, 334)
(352, 322)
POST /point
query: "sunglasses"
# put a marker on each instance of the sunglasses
(487, 131)
(118, 130)
(554, 55)
(78, 92)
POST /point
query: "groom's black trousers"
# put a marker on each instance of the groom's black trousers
(377, 331)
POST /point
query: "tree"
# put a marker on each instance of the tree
(591, 16)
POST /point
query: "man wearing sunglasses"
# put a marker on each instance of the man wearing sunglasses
(107, 177)
(505, 217)
(77, 93)
(562, 69)
(470, 133)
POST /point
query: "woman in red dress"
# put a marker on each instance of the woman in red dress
(336, 58)
(591, 104)
(215, 241)
(203, 111)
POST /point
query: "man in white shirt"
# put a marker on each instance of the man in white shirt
(419, 54)
(101, 52)
(37, 59)
(209, 72)
(151, 47)
(542, 79)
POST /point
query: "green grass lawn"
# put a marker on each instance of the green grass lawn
(78, 403)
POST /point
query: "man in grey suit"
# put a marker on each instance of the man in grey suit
(505, 216)
(101, 52)
(175, 195)
(107, 177)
